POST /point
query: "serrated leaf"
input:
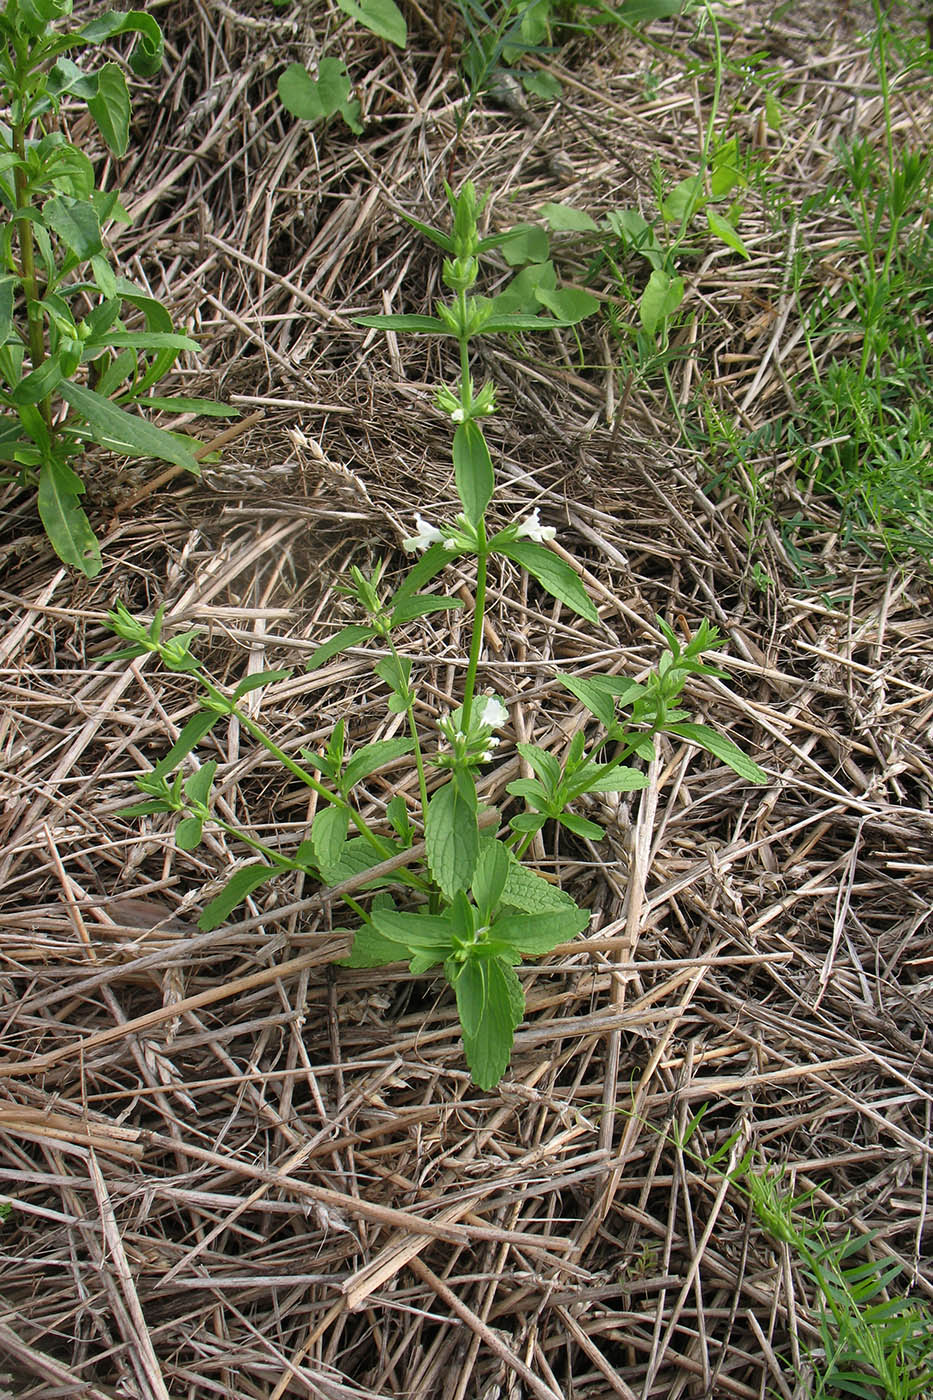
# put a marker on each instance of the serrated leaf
(488, 1047)
(347, 637)
(124, 432)
(597, 699)
(423, 933)
(532, 894)
(381, 17)
(328, 839)
(473, 471)
(65, 523)
(564, 218)
(490, 875)
(241, 884)
(553, 574)
(538, 933)
(76, 224)
(543, 764)
(451, 838)
(722, 748)
(373, 757)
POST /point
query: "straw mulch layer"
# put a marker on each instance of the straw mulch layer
(240, 1171)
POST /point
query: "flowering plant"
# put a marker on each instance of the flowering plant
(462, 900)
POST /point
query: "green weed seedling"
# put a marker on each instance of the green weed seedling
(70, 366)
(463, 902)
(872, 1345)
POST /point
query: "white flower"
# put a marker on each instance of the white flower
(531, 528)
(490, 711)
(457, 415)
(451, 543)
(426, 536)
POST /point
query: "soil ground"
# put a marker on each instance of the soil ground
(242, 1172)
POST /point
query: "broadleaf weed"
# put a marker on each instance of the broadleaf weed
(463, 902)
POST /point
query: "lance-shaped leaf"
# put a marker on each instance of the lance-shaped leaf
(124, 432)
(539, 933)
(722, 748)
(347, 637)
(552, 573)
(242, 883)
(374, 756)
(65, 522)
(473, 471)
(328, 840)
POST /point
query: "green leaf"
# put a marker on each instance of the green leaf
(553, 574)
(207, 408)
(684, 200)
(373, 757)
(580, 826)
(257, 681)
(198, 785)
(65, 523)
(724, 231)
(372, 949)
(38, 383)
(568, 304)
(531, 893)
(644, 11)
(124, 432)
(189, 738)
(381, 17)
(140, 340)
(637, 234)
(424, 325)
(490, 875)
(599, 701)
(420, 606)
(473, 471)
(421, 933)
(488, 1048)
(110, 108)
(241, 883)
(8, 286)
(543, 764)
(451, 838)
(724, 172)
(564, 218)
(660, 299)
(145, 58)
(348, 637)
(328, 838)
(609, 777)
(722, 748)
(538, 933)
(314, 99)
(470, 987)
(75, 222)
(525, 244)
(543, 85)
(188, 833)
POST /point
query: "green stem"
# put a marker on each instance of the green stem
(28, 267)
(413, 730)
(479, 613)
